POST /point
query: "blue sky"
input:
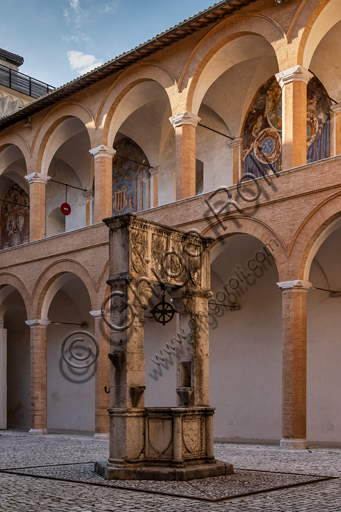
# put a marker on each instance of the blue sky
(63, 39)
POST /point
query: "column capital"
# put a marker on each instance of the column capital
(185, 118)
(37, 177)
(294, 74)
(96, 313)
(102, 151)
(336, 108)
(38, 323)
(236, 142)
(295, 285)
(154, 170)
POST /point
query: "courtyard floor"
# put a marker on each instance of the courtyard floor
(55, 473)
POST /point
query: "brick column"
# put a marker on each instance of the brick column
(236, 144)
(185, 125)
(335, 135)
(38, 375)
(103, 182)
(102, 377)
(154, 195)
(294, 82)
(38, 184)
(294, 364)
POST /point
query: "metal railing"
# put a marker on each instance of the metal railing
(23, 83)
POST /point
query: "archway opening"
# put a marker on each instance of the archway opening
(69, 167)
(15, 340)
(323, 343)
(70, 391)
(14, 198)
(245, 340)
(222, 97)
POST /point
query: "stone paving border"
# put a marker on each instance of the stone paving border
(211, 490)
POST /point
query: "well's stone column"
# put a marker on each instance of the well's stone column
(3, 376)
(185, 125)
(103, 182)
(294, 361)
(102, 377)
(38, 184)
(236, 145)
(38, 375)
(293, 82)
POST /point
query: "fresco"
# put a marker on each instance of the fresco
(131, 180)
(15, 218)
(318, 122)
(262, 137)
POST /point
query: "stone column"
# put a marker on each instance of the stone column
(3, 376)
(38, 184)
(236, 144)
(185, 125)
(335, 135)
(38, 375)
(103, 182)
(102, 377)
(154, 196)
(127, 376)
(294, 82)
(294, 364)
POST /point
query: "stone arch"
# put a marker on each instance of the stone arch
(14, 281)
(53, 278)
(49, 124)
(109, 117)
(253, 227)
(309, 237)
(219, 36)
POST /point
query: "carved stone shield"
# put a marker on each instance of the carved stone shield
(191, 435)
(160, 435)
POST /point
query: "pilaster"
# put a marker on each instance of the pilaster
(154, 196)
(336, 131)
(236, 145)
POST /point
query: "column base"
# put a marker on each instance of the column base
(294, 444)
(101, 436)
(38, 431)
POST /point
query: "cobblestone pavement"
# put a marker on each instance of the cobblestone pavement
(19, 493)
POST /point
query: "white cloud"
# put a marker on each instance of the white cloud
(75, 5)
(83, 63)
(111, 7)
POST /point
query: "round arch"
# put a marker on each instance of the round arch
(42, 140)
(217, 38)
(253, 227)
(112, 114)
(13, 281)
(309, 237)
(317, 18)
(53, 278)
(12, 139)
